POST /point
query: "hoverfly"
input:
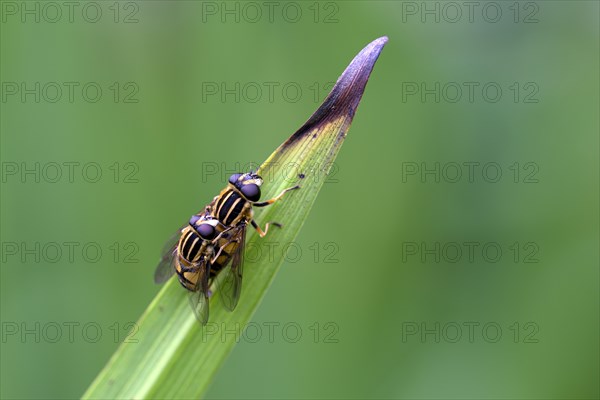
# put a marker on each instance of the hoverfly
(233, 209)
(211, 239)
(234, 204)
(190, 254)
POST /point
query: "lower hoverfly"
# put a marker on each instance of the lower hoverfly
(213, 237)
(191, 253)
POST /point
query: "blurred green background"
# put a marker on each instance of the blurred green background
(387, 307)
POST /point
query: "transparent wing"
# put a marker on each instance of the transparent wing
(165, 267)
(199, 297)
(230, 286)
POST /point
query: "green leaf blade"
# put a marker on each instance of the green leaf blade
(174, 356)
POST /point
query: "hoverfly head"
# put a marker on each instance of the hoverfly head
(205, 226)
(249, 185)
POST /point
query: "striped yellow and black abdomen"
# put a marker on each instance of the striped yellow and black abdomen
(223, 259)
(187, 275)
(225, 247)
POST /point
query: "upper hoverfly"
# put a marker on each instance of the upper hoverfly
(213, 237)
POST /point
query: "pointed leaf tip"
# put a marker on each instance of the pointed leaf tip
(345, 96)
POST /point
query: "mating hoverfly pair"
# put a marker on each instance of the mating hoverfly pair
(201, 249)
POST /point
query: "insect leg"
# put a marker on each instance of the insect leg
(260, 231)
(274, 199)
(216, 257)
(221, 234)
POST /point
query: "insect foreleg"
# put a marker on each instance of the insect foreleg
(274, 199)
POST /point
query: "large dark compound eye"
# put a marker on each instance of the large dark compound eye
(234, 178)
(206, 231)
(251, 191)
